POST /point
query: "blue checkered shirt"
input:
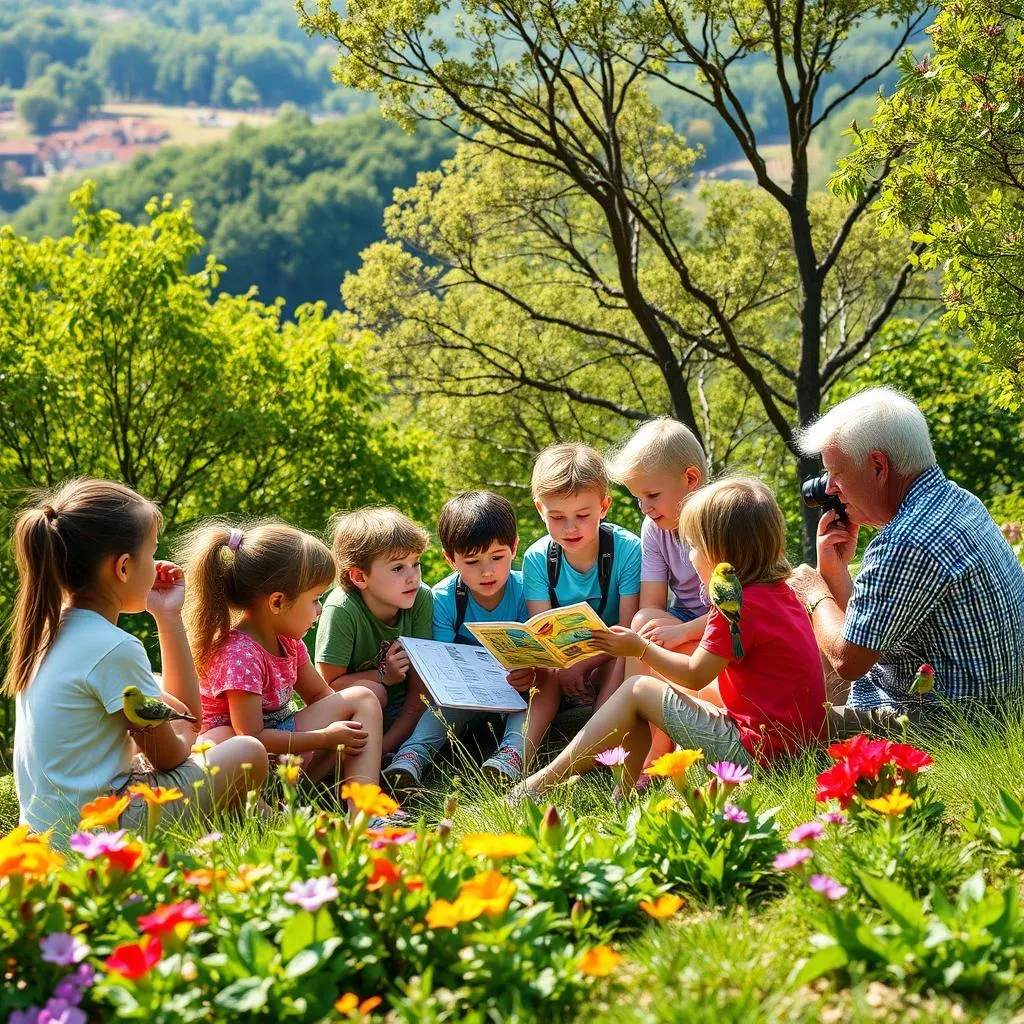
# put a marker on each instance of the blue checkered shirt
(939, 584)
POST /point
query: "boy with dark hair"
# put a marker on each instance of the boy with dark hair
(479, 538)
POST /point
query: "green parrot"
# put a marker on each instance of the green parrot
(924, 681)
(726, 593)
(147, 712)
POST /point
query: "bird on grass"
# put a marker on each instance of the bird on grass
(147, 712)
(924, 681)
(726, 593)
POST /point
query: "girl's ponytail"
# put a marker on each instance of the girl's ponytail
(58, 545)
(207, 559)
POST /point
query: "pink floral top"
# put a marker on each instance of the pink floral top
(243, 664)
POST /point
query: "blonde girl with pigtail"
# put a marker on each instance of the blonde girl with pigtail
(256, 594)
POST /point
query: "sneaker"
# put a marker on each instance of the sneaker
(504, 765)
(403, 774)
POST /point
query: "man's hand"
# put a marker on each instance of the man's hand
(808, 584)
(522, 679)
(837, 544)
(396, 665)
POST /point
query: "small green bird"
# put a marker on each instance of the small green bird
(924, 681)
(147, 712)
(726, 593)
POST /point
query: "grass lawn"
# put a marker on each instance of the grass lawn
(714, 961)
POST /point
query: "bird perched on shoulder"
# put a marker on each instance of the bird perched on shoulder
(924, 681)
(726, 593)
(146, 712)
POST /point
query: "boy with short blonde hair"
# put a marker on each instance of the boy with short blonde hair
(581, 558)
(380, 596)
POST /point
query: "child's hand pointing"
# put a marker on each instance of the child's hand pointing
(619, 641)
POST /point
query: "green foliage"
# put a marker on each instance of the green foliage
(1000, 828)
(38, 106)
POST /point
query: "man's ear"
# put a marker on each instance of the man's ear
(357, 577)
(277, 602)
(879, 463)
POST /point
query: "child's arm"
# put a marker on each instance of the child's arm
(654, 594)
(676, 634)
(310, 685)
(247, 720)
(692, 671)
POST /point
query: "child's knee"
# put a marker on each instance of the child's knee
(249, 759)
(379, 691)
(365, 704)
(644, 616)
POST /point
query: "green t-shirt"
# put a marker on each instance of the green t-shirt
(350, 635)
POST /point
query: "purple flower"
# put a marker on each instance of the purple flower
(29, 1016)
(68, 990)
(95, 844)
(833, 818)
(210, 838)
(729, 774)
(84, 976)
(733, 813)
(612, 757)
(789, 859)
(807, 832)
(312, 895)
(63, 949)
(828, 887)
(57, 1011)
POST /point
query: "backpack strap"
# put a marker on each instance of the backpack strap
(554, 571)
(605, 561)
(461, 604)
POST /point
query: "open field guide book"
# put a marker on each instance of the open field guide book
(552, 639)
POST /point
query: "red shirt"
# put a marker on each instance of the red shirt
(776, 692)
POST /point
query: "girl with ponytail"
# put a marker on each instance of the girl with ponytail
(85, 556)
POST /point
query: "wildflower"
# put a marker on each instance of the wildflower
(204, 879)
(246, 875)
(892, 804)
(909, 758)
(789, 859)
(210, 838)
(28, 1016)
(103, 811)
(664, 806)
(443, 914)
(384, 873)
(174, 917)
(837, 783)
(828, 887)
(735, 814)
(202, 747)
(674, 765)
(389, 836)
(865, 756)
(493, 890)
(729, 774)
(808, 832)
(551, 830)
(664, 906)
(369, 799)
(156, 795)
(135, 960)
(28, 855)
(125, 858)
(349, 1004)
(91, 845)
(599, 961)
(612, 757)
(832, 817)
(311, 895)
(496, 847)
(61, 1011)
(63, 949)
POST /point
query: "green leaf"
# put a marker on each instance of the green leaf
(824, 961)
(895, 901)
(297, 934)
(245, 995)
(302, 963)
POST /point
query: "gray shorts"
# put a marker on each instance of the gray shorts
(183, 777)
(696, 724)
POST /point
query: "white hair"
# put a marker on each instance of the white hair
(876, 420)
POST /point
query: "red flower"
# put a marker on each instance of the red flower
(384, 873)
(167, 918)
(134, 961)
(909, 758)
(837, 783)
(125, 859)
(864, 755)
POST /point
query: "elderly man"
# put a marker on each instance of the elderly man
(938, 584)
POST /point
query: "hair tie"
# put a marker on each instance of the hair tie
(234, 540)
(50, 512)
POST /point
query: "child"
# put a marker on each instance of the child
(479, 537)
(581, 558)
(256, 593)
(773, 697)
(85, 557)
(380, 597)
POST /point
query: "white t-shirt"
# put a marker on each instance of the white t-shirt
(70, 743)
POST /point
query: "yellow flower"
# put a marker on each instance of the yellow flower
(443, 914)
(103, 811)
(497, 847)
(891, 804)
(289, 773)
(675, 764)
(368, 798)
(156, 796)
(202, 747)
(28, 855)
(664, 906)
(247, 875)
(492, 889)
(599, 961)
(349, 1004)
(664, 806)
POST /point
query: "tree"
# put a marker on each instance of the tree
(958, 182)
(243, 93)
(559, 90)
(38, 106)
(126, 62)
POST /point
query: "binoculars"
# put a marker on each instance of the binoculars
(813, 491)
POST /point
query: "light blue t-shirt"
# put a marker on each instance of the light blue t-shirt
(574, 586)
(511, 608)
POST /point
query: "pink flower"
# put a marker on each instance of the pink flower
(733, 813)
(98, 844)
(312, 895)
(728, 773)
(789, 859)
(807, 832)
(832, 817)
(612, 757)
(827, 887)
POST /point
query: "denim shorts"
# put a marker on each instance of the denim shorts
(684, 614)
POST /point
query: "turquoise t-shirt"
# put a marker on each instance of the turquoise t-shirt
(574, 587)
(511, 608)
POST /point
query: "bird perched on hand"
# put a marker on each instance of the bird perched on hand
(146, 712)
(726, 593)
(924, 681)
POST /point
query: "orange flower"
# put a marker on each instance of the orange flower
(664, 906)
(156, 796)
(492, 889)
(892, 804)
(204, 879)
(349, 1004)
(125, 859)
(103, 811)
(496, 847)
(675, 764)
(384, 873)
(369, 799)
(414, 884)
(443, 914)
(246, 875)
(599, 961)
(28, 855)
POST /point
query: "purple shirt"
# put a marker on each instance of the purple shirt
(666, 559)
